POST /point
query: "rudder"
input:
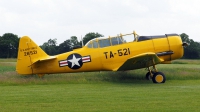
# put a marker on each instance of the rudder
(28, 53)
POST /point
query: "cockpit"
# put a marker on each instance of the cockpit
(112, 41)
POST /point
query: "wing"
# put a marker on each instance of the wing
(140, 61)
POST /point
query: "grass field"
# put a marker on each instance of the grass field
(104, 91)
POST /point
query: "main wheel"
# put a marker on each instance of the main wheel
(158, 77)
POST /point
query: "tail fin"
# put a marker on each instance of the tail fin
(28, 53)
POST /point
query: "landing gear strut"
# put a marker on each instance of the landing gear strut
(155, 76)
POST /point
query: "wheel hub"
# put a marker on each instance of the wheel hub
(159, 78)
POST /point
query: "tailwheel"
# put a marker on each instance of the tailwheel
(158, 77)
(40, 75)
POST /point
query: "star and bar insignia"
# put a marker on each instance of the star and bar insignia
(75, 61)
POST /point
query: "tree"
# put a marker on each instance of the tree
(74, 41)
(65, 46)
(193, 50)
(9, 45)
(90, 36)
(50, 47)
(185, 38)
(69, 44)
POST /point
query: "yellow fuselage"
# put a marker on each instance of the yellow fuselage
(111, 58)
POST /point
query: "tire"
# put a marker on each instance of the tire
(158, 77)
(148, 76)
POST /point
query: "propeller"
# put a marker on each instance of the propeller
(185, 44)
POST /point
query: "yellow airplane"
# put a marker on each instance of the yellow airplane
(103, 54)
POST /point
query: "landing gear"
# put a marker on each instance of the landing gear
(40, 75)
(155, 76)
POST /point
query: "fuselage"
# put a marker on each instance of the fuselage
(96, 57)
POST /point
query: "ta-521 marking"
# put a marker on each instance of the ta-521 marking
(120, 52)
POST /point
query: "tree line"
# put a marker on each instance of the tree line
(51, 47)
(9, 45)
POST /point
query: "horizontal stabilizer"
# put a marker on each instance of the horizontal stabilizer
(44, 59)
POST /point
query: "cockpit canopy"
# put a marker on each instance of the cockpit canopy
(112, 41)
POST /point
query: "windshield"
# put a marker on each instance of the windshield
(112, 41)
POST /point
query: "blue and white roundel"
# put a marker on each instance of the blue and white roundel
(74, 61)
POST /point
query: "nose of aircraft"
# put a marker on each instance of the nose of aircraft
(176, 45)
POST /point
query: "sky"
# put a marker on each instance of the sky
(42, 20)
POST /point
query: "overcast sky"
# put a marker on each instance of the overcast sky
(61, 19)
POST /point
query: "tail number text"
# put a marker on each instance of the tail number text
(30, 53)
(120, 52)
